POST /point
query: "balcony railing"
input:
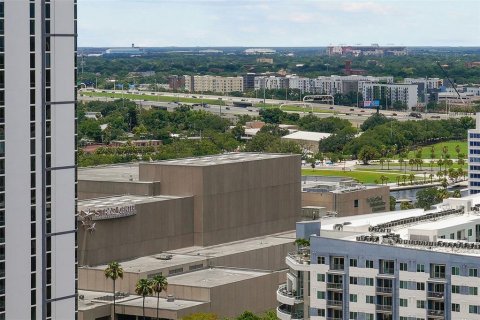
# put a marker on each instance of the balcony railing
(439, 295)
(389, 271)
(294, 314)
(334, 285)
(299, 257)
(337, 267)
(385, 289)
(334, 303)
(384, 307)
(290, 294)
(437, 313)
(437, 275)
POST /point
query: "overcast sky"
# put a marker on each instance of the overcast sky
(149, 23)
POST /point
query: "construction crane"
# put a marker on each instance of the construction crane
(445, 73)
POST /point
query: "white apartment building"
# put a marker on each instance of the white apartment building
(404, 265)
(213, 84)
(37, 159)
(405, 93)
(301, 83)
(474, 158)
(271, 82)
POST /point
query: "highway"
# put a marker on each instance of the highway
(355, 115)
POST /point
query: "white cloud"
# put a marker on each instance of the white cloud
(366, 7)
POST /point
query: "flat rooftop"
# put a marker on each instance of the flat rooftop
(119, 201)
(226, 158)
(393, 228)
(213, 277)
(188, 255)
(91, 301)
(118, 173)
(307, 136)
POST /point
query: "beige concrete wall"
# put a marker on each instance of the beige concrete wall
(157, 226)
(235, 201)
(257, 295)
(343, 203)
(318, 199)
(89, 189)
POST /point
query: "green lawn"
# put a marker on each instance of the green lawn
(361, 176)
(438, 149)
(151, 98)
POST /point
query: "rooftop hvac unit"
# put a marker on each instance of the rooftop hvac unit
(170, 298)
(164, 256)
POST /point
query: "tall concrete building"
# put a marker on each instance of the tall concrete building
(474, 158)
(37, 159)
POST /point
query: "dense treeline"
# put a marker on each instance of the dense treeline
(186, 132)
(98, 69)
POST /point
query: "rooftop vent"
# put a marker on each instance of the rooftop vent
(170, 298)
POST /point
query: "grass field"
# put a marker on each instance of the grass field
(438, 149)
(361, 176)
(152, 98)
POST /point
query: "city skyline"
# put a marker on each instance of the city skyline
(277, 23)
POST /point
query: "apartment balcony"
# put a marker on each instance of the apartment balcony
(436, 295)
(334, 286)
(337, 267)
(288, 297)
(334, 318)
(286, 312)
(435, 314)
(384, 290)
(298, 261)
(383, 308)
(338, 304)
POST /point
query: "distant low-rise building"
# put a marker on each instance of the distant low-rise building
(213, 84)
(391, 93)
(306, 139)
(260, 51)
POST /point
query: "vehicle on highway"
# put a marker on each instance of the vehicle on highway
(394, 114)
(228, 108)
(415, 115)
(352, 109)
(194, 97)
(435, 117)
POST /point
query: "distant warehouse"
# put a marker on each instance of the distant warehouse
(308, 140)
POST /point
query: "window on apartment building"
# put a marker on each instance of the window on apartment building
(403, 266)
(369, 282)
(420, 267)
(470, 232)
(355, 203)
(320, 294)
(455, 307)
(370, 299)
(369, 264)
(403, 284)
(369, 316)
(452, 235)
(421, 286)
(403, 302)
(421, 304)
(353, 297)
(321, 312)
(353, 262)
(455, 271)
(320, 277)
(455, 289)
(473, 291)
(321, 260)
(353, 315)
(353, 280)
(473, 309)
(473, 272)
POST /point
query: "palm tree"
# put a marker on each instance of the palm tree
(114, 271)
(401, 160)
(143, 288)
(431, 177)
(432, 163)
(411, 162)
(457, 150)
(411, 177)
(404, 178)
(159, 283)
(382, 161)
(398, 180)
